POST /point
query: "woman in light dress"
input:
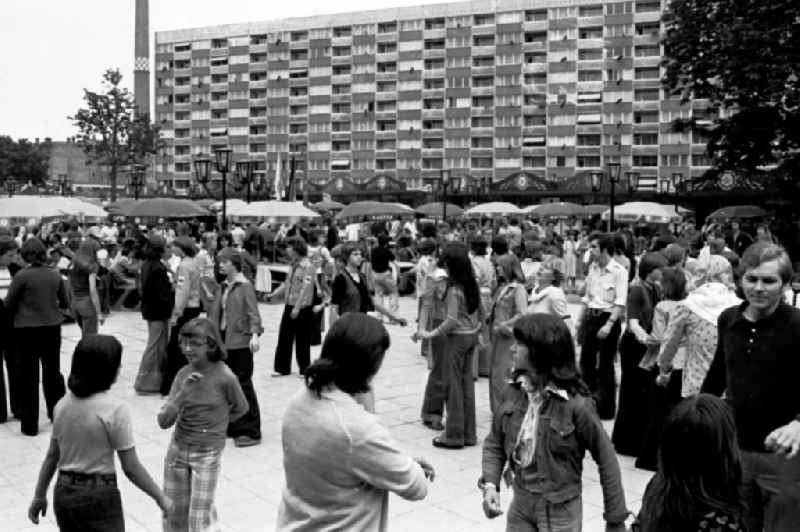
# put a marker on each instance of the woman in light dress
(571, 259)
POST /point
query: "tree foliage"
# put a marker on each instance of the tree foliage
(111, 131)
(24, 161)
(744, 57)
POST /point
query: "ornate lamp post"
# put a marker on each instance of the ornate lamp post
(612, 171)
(63, 184)
(632, 179)
(677, 182)
(222, 158)
(445, 182)
(11, 185)
(244, 174)
(597, 184)
(137, 179)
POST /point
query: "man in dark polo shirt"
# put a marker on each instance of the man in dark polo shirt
(757, 365)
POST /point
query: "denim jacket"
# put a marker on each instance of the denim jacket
(565, 431)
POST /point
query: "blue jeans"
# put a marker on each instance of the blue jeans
(86, 315)
(771, 492)
(530, 512)
(87, 507)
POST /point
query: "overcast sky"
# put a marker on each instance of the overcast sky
(53, 49)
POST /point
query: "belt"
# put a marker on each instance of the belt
(595, 312)
(87, 479)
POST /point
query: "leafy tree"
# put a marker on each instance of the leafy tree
(111, 131)
(24, 161)
(741, 55)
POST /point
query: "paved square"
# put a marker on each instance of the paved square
(252, 478)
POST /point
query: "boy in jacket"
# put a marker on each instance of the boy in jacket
(235, 312)
(541, 434)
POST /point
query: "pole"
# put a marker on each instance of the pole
(611, 211)
(248, 192)
(444, 202)
(224, 201)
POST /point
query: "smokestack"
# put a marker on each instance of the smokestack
(141, 66)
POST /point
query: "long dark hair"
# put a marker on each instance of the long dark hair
(459, 270)
(551, 350)
(351, 355)
(699, 467)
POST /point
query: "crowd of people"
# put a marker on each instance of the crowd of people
(686, 315)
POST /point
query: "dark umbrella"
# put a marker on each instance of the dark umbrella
(435, 209)
(326, 206)
(737, 211)
(119, 207)
(163, 208)
(372, 209)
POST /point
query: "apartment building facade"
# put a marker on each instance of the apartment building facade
(488, 90)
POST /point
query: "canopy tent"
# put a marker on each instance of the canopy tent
(275, 210)
(555, 210)
(232, 206)
(161, 208)
(327, 206)
(373, 209)
(436, 209)
(44, 208)
(645, 211)
(493, 208)
(737, 211)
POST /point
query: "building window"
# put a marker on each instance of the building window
(645, 160)
(482, 162)
(645, 95)
(483, 20)
(591, 11)
(645, 139)
(387, 27)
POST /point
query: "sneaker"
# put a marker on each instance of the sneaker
(245, 441)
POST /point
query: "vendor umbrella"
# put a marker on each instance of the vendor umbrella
(493, 208)
(637, 211)
(556, 210)
(434, 210)
(372, 209)
(276, 209)
(327, 206)
(737, 211)
(163, 208)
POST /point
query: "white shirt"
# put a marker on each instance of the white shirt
(606, 287)
(353, 232)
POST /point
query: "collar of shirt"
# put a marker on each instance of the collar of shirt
(238, 278)
(774, 320)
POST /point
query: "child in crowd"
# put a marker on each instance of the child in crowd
(89, 426)
(205, 397)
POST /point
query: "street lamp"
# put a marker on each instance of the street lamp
(10, 184)
(222, 157)
(633, 182)
(612, 171)
(244, 173)
(445, 179)
(677, 181)
(137, 179)
(63, 184)
(597, 183)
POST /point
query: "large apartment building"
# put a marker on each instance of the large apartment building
(485, 89)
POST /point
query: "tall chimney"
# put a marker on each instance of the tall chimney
(141, 66)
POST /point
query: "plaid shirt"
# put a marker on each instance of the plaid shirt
(300, 287)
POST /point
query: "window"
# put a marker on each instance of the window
(483, 20)
(645, 160)
(432, 143)
(618, 30)
(389, 66)
(431, 164)
(432, 124)
(643, 139)
(675, 160)
(483, 81)
(645, 95)
(483, 40)
(433, 64)
(619, 8)
(481, 162)
(591, 11)
(387, 47)
(535, 15)
(482, 142)
(647, 73)
(340, 70)
(594, 32)
(536, 37)
(482, 121)
(701, 159)
(590, 75)
(434, 83)
(590, 54)
(647, 50)
(385, 144)
(340, 126)
(434, 24)
(648, 28)
(588, 161)
(219, 43)
(589, 140)
(645, 117)
(645, 6)
(298, 55)
(387, 27)
(535, 161)
(385, 125)
(534, 120)
(341, 51)
(387, 106)
(342, 31)
(483, 61)
(536, 78)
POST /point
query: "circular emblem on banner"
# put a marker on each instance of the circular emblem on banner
(727, 181)
(522, 182)
(382, 183)
(339, 184)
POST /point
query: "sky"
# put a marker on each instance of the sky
(53, 49)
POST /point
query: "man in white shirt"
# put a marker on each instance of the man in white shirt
(600, 326)
(109, 232)
(237, 233)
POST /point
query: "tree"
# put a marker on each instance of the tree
(111, 131)
(741, 55)
(24, 161)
